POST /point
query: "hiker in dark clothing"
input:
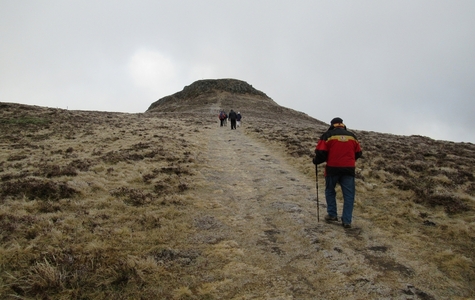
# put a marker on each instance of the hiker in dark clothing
(340, 149)
(238, 119)
(233, 117)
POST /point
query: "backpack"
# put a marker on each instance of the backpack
(222, 116)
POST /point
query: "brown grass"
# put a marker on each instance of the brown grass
(92, 203)
(99, 205)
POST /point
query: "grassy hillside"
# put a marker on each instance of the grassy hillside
(89, 202)
(102, 205)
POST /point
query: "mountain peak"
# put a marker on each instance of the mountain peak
(225, 85)
(207, 87)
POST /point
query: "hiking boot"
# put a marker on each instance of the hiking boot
(346, 225)
(329, 218)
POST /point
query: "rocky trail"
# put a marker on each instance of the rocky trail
(262, 215)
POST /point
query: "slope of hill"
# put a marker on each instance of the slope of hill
(194, 95)
(205, 97)
(169, 205)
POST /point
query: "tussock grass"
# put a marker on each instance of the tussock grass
(91, 203)
(99, 205)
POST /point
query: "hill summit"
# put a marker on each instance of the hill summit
(209, 88)
(208, 96)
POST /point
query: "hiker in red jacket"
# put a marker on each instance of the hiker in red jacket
(340, 149)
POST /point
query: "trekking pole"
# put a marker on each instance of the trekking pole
(316, 183)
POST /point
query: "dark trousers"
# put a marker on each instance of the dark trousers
(233, 124)
(347, 184)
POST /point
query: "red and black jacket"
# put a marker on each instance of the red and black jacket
(340, 149)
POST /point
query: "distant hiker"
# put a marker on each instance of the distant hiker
(222, 117)
(340, 149)
(232, 116)
(238, 119)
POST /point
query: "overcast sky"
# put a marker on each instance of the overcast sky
(403, 66)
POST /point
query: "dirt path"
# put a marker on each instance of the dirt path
(261, 222)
